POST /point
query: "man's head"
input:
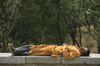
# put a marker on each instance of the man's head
(84, 51)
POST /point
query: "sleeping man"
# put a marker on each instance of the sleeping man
(67, 51)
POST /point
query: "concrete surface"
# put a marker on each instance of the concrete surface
(9, 60)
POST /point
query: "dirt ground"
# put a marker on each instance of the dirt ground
(87, 40)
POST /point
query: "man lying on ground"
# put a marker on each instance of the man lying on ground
(67, 51)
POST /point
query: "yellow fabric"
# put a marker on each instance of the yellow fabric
(40, 50)
(57, 51)
(68, 52)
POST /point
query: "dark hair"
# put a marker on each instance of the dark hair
(86, 54)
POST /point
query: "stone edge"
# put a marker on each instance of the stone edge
(48, 60)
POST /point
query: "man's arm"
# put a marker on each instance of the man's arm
(70, 52)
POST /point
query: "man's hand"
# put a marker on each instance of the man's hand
(64, 44)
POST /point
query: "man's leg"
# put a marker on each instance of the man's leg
(24, 54)
(18, 51)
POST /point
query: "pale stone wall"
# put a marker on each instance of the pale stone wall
(6, 59)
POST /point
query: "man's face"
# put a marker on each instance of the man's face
(83, 49)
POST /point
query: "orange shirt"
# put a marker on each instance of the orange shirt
(68, 51)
